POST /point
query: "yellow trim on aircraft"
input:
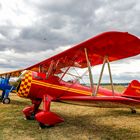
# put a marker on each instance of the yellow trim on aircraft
(25, 85)
(136, 87)
(61, 87)
(138, 91)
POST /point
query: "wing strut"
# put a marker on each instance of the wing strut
(101, 74)
(90, 73)
(50, 69)
(110, 75)
(40, 69)
(64, 73)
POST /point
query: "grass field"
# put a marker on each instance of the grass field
(81, 123)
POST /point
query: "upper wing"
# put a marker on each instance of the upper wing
(115, 45)
(15, 73)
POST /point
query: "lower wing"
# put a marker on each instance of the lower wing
(101, 101)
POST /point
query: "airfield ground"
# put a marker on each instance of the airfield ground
(81, 123)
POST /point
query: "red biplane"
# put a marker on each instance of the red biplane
(48, 80)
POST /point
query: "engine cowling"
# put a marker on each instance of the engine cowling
(24, 86)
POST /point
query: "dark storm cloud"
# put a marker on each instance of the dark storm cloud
(69, 7)
(63, 23)
(45, 38)
(7, 30)
(60, 24)
(69, 22)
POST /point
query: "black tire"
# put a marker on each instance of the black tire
(42, 126)
(6, 100)
(31, 117)
(27, 117)
(133, 111)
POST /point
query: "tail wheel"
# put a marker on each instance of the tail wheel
(133, 111)
(6, 100)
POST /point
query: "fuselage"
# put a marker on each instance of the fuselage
(35, 85)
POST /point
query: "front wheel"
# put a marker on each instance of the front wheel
(133, 111)
(6, 100)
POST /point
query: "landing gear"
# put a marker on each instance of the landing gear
(45, 117)
(30, 111)
(31, 117)
(42, 125)
(6, 100)
(133, 111)
(5, 96)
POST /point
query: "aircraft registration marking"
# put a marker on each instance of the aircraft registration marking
(62, 87)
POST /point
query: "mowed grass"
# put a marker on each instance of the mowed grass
(81, 123)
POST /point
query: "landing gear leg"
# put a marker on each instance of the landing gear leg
(3, 94)
(5, 97)
(30, 111)
(46, 118)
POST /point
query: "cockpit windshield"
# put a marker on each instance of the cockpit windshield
(74, 75)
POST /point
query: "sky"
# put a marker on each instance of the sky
(33, 30)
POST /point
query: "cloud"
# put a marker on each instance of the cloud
(10, 59)
(31, 31)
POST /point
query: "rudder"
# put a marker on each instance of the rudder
(133, 89)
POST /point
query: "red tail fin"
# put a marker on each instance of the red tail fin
(133, 89)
